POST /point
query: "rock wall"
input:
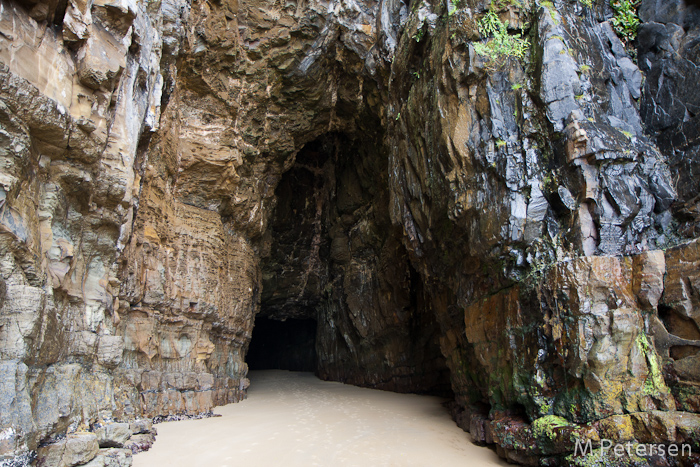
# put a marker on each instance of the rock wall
(669, 57)
(525, 227)
(536, 177)
(332, 255)
(76, 96)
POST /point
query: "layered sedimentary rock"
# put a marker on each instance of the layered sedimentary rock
(535, 177)
(518, 233)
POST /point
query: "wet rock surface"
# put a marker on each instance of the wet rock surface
(669, 57)
(519, 234)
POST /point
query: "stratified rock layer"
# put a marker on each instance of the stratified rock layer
(499, 229)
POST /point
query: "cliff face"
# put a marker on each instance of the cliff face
(516, 232)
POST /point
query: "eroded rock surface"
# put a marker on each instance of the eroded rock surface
(518, 233)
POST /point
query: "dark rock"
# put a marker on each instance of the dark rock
(669, 56)
(140, 443)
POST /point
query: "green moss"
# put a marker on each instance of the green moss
(543, 428)
(545, 408)
(503, 4)
(594, 458)
(655, 383)
(419, 35)
(552, 11)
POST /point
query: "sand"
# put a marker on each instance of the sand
(295, 419)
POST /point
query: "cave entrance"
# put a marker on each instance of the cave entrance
(283, 345)
(339, 294)
(295, 265)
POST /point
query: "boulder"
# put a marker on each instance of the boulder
(76, 449)
(113, 435)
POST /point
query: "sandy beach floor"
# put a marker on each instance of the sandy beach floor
(294, 419)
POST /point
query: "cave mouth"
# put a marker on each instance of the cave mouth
(339, 295)
(283, 345)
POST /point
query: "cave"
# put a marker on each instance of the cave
(283, 345)
(491, 201)
(340, 296)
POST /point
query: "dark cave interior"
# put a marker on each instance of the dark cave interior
(339, 294)
(283, 345)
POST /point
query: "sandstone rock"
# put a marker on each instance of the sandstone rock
(100, 60)
(648, 285)
(617, 428)
(113, 435)
(111, 458)
(77, 21)
(171, 170)
(688, 368)
(477, 428)
(83, 343)
(681, 278)
(117, 15)
(654, 427)
(109, 350)
(76, 449)
(143, 426)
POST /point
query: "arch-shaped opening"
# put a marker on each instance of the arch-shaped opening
(340, 296)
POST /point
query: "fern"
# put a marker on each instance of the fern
(501, 44)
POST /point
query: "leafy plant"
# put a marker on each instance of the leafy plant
(419, 35)
(501, 44)
(586, 3)
(625, 20)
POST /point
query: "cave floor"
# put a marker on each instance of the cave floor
(295, 419)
